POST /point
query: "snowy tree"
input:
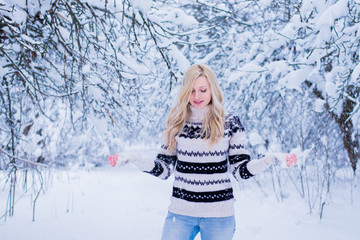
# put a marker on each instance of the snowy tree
(298, 86)
(76, 75)
(80, 79)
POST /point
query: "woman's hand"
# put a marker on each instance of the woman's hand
(113, 159)
(283, 159)
(118, 159)
(144, 163)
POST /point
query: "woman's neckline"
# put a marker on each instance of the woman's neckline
(197, 115)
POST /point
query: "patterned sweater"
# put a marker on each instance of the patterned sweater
(202, 186)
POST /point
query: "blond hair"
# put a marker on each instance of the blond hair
(213, 123)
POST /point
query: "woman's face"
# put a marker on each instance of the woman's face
(201, 94)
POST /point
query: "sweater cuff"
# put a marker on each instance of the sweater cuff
(257, 166)
(145, 161)
(145, 164)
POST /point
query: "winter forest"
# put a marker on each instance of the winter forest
(84, 79)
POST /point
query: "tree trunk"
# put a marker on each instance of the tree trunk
(350, 139)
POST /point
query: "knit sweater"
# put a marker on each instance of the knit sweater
(202, 186)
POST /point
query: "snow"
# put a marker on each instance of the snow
(255, 139)
(180, 59)
(142, 5)
(179, 16)
(355, 74)
(30, 40)
(326, 20)
(124, 203)
(133, 64)
(319, 105)
(331, 89)
(294, 79)
(100, 124)
(332, 13)
(290, 30)
(302, 155)
(64, 32)
(356, 114)
(252, 67)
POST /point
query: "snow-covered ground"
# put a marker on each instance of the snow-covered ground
(123, 203)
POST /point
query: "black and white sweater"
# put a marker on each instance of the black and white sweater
(202, 186)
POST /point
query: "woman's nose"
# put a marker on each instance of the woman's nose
(197, 95)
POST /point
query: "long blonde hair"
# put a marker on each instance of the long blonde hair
(213, 123)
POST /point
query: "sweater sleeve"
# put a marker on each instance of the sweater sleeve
(241, 164)
(164, 163)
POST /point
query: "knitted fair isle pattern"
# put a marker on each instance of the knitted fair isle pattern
(202, 186)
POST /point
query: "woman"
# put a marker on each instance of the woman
(201, 143)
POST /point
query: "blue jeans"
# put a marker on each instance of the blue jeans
(180, 227)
